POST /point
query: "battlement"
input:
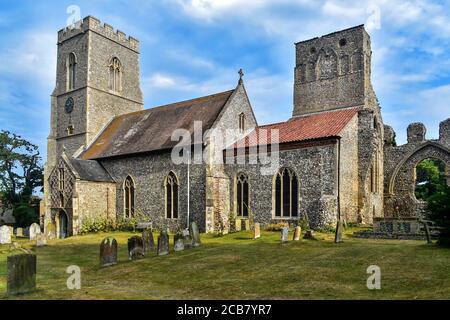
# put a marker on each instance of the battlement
(95, 25)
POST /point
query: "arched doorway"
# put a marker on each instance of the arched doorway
(62, 223)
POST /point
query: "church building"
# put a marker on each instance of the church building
(110, 158)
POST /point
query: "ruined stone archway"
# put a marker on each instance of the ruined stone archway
(400, 201)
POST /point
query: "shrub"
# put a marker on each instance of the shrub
(277, 226)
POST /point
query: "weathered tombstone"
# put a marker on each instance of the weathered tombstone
(284, 234)
(34, 230)
(21, 273)
(19, 232)
(50, 231)
(257, 231)
(195, 235)
(187, 239)
(309, 234)
(297, 233)
(135, 248)
(144, 225)
(238, 225)
(163, 243)
(338, 234)
(108, 252)
(149, 242)
(26, 232)
(178, 242)
(41, 240)
(5, 235)
(11, 230)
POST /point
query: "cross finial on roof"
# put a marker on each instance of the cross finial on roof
(241, 74)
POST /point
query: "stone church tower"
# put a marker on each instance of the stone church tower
(97, 78)
(334, 72)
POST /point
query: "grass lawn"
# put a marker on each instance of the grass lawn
(237, 267)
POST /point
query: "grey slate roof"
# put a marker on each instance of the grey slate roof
(90, 170)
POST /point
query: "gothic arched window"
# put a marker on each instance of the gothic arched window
(115, 75)
(242, 198)
(71, 68)
(286, 193)
(171, 187)
(129, 197)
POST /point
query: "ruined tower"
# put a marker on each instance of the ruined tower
(332, 72)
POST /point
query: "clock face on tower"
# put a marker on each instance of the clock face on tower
(69, 105)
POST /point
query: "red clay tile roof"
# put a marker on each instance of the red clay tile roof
(151, 129)
(316, 126)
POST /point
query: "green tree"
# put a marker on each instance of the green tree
(21, 173)
(430, 174)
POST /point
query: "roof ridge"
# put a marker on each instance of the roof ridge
(174, 103)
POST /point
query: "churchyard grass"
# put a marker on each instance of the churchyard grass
(237, 267)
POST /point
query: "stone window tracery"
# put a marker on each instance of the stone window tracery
(71, 71)
(286, 194)
(171, 187)
(242, 195)
(115, 75)
(129, 197)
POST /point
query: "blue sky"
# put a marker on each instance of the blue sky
(191, 48)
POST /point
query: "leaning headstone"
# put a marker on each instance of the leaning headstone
(284, 235)
(135, 248)
(21, 273)
(108, 252)
(34, 230)
(195, 235)
(297, 233)
(178, 242)
(149, 242)
(163, 243)
(257, 231)
(338, 234)
(5, 235)
(187, 239)
(41, 240)
(50, 231)
(19, 232)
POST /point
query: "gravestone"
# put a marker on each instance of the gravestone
(149, 242)
(144, 225)
(163, 243)
(5, 235)
(178, 242)
(195, 235)
(297, 233)
(187, 239)
(34, 230)
(41, 240)
(108, 252)
(19, 232)
(21, 273)
(135, 248)
(338, 234)
(50, 231)
(284, 235)
(26, 232)
(309, 234)
(257, 231)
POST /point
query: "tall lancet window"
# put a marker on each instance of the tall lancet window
(71, 71)
(286, 193)
(115, 75)
(171, 186)
(242, 195)
(129, 197)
